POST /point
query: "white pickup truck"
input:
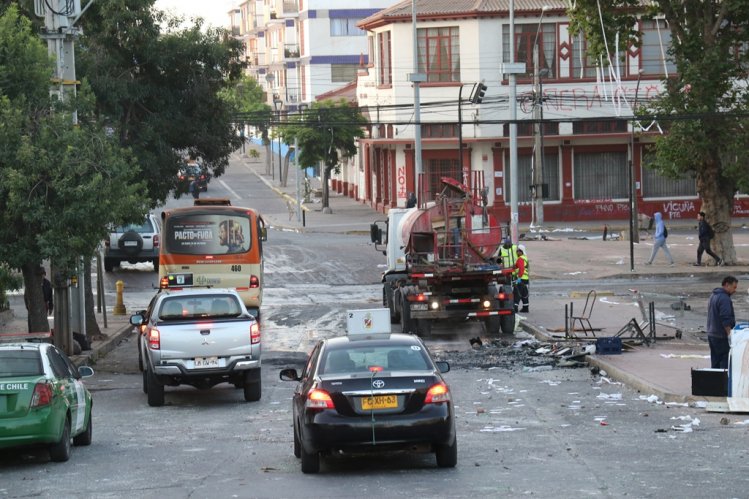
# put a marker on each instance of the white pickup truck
(198, 337)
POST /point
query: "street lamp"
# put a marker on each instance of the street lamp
(634, 231)
(538, 116)
(277, 105)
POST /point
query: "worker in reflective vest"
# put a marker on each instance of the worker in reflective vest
(522, 279)
(507, 254)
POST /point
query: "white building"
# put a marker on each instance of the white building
(587, 138)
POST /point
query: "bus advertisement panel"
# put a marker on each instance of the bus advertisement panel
(214, 246)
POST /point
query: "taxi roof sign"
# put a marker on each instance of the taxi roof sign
(368, 321)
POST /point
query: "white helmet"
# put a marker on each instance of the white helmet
(521, 247)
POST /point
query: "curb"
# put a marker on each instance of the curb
(98, 351)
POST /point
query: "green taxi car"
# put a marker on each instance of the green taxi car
(43, 402)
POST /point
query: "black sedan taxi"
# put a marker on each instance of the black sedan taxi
(380, 392)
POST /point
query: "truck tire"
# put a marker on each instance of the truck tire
(492, 325)
(389, 301)
(155, 389)
(508, 323)
(253, 387)
(407, 323)
(424, 328)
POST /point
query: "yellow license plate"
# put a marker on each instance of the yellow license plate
(379, 402)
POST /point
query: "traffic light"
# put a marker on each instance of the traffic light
(478, 95)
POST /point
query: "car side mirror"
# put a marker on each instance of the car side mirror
(263, 234)
(289, 375)
(136, 320)
(443, 366)
(375, 234)
(85, 371)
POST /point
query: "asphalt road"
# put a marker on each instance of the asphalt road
(555, 433)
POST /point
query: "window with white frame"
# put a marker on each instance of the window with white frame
(343, 73)
(582, 64)
(439, 54)
(385, 76)
(345, 26)
(656, 40)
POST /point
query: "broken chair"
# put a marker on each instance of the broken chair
(584, 318)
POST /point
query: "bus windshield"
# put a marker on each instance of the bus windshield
(207, 234)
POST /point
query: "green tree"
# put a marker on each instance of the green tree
(158, 84)
(247, 99)
(705, 107)
(326, 132)
(60, 183)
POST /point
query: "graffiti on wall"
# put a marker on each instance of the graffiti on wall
(678, 209)
(578, 98)
(401, 194)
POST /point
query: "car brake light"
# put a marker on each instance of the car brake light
(319, 399)
(437, 393)
(42, 395)
(156, 241)
(502, 296)
(154, 339)
(254, 282)
(375, 369)
(255, 333)
(164, 282)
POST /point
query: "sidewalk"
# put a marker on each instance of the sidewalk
(663, 369)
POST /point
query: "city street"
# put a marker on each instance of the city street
(521, 431)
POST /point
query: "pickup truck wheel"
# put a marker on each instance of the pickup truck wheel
(508, 323)
(155, 390)
(60, 451)
(85, 437)
(252, 386)
(310, 461)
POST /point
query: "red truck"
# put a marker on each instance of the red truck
(442, 263)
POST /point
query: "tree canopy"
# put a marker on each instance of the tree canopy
(158, 85)
(326, 132)
(61, 182)
(706, 108)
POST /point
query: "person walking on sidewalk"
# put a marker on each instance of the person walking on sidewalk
(522, 275)
(720, 320)
(659, 239)
(705, 234)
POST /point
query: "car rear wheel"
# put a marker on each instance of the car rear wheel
(155, 262)
(252, 386)
(85, 437)
(155, 390)
(447, 455)
(109, 264)
(60, 452)
(310, 461)
(297, 444)
(145, 382)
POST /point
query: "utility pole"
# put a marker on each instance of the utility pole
(416, 78)
(538, 143)
(60, 33)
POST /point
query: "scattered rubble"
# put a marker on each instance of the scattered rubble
(528, 355)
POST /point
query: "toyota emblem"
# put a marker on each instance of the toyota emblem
(378, 383)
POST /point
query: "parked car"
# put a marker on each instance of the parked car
(133, 243)
(43, 402)
(194, 171)
(374, 393)
(199, 337)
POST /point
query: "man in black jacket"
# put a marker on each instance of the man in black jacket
(720, 321)
(705, 235)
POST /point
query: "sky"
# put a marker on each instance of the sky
(213, 11)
